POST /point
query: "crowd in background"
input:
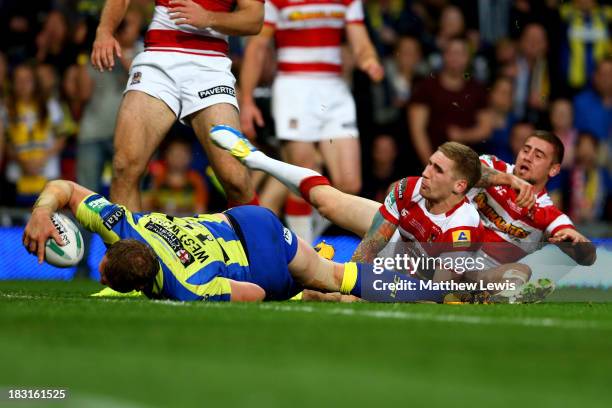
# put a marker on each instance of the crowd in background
(481, 72)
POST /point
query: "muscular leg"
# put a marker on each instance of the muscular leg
(234, 177)
(142, 123)
(343, 161)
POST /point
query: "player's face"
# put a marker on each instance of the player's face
(101, 270)
(534, 162)
(438, 178)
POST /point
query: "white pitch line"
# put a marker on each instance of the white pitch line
(378, 314)
(445, 318)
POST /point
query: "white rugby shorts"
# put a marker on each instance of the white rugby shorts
(309, 108)
(186, 83)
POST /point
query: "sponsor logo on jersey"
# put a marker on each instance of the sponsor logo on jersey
(97, 203)
(462, 238)
(497, 220)
(186, 249)
(136, 78)
(315, 15)
(113, 217)
(217, 90)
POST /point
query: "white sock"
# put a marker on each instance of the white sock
(286, 173)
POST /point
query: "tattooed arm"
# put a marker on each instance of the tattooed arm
(375, 240)
(491, 177)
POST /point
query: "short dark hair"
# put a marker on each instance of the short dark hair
(130, 264)
(467, 162)
(550, 137)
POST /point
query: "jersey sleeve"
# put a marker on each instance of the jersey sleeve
(493, 162)
(270, 13)
(390, 210)
(354, 12)
(556, 221)
(217, 290)
(99, 215)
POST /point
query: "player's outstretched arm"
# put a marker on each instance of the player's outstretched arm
(56, 195)
(246, 19)
(105, 45)
(575, 245)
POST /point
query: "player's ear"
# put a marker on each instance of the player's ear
(554, 170)
(460, 186)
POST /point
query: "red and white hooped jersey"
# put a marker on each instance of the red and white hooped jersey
(504, 221)
(459, 229)
(309, 33)
(165, 35)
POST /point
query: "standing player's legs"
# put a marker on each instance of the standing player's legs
(234, 177)
(142, 123)
(343, 162)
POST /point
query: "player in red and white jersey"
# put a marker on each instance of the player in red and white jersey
(310, 100)
(183, 73)
(512, 231)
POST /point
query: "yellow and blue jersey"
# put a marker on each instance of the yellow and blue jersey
(197, 255)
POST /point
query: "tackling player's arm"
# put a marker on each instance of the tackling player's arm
(364, 52)
(56, 195)
(250, 73)
(575, 245)
(105, 44)
(491, 177)
(246, 19)
(375, 240)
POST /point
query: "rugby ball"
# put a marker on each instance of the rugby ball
(71, 252)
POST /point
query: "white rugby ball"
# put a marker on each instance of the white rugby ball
(71, 252)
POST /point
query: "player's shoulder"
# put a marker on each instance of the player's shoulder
(464, 216)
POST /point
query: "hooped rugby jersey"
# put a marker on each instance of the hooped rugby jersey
(450, 234)
(197, 255)
(309, 33)
(506, 222)
(165, 35)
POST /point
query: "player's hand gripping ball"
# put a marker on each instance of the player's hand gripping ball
(72, 251)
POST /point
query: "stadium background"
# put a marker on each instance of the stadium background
(534, 60)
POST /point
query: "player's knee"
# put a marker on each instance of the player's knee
(349, 185)
(518, 271)
(127, 167)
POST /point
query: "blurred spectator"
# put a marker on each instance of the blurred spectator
(586, 39)
(391, 96)
(72, 105)
(33, 138)
(445, 106)
(562, 123)
(4, 83)
(593, 107)
(518, 135)
(19, 23)
(531, 79)
(500, 115)
(383, 171)
(493, 17)
(177, 189)
(586, 184)
(53, 43)
(390, 19)
(47, 78)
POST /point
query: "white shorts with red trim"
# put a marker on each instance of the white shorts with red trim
(312, 108)
(187, 83)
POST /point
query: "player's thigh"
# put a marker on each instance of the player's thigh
(348, 211)
(343, 161)
(142, 123)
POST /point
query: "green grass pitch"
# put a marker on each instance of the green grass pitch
(139, 353)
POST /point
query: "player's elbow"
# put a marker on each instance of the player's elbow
(246, 292)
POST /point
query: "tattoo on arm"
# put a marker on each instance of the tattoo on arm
(374, 241)
(488, 177)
